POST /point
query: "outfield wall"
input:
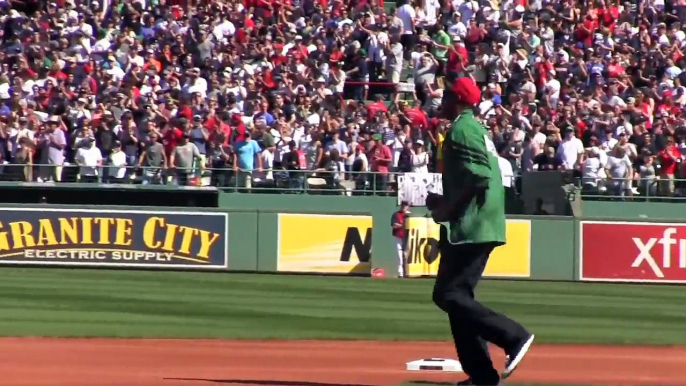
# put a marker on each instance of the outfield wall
(337, 235)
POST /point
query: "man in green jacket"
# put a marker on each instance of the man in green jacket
(472, 208)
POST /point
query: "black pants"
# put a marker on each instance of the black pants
(408, 42)
(472, 324)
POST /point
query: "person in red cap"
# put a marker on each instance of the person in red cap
(472, 213)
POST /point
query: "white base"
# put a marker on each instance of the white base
(435, 364)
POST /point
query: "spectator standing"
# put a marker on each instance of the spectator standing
(381, 159)
(420, 158)
(590, 170)
(647, 181)
(52, 142)
(153, 160)
(184, 158)
(247, 152)
(407, 14)
(222, 159)
(118, 165)
(670, 161)
(571, 150)
(619, 172)
(89, 159)
(506, 172)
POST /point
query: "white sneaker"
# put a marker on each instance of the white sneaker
(516, 356)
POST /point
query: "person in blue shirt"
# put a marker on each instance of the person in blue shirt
(263, 114)
(247, 151)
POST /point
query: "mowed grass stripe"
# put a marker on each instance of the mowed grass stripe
(85, 303)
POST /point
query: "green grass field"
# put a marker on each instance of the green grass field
(89, 303)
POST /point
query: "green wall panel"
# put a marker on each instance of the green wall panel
(268, 245)
(633, 210)
(243, 241)
(553, 248)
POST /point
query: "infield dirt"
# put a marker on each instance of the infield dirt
(143, 362)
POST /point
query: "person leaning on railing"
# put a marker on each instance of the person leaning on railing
(670, 162)
(646, 176)
(382, 158)
(222, 160)
(619, 170)
(118, 161)
(89, 159)
(153, 160)
(295, 162)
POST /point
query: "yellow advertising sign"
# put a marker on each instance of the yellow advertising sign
(324, 243)
(510, 260)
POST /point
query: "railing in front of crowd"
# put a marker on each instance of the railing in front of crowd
(359, 90)
(659, 188)
(318, 181)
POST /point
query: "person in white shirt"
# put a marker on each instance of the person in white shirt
(89, 159)
(265, 176)
(590, 168)
(538, 137)
(619, 172)
(420, 158)
(407, 14)
(337, 80)
(457, 29)
(552, 89)
(571, 150)
(506, 172)
(117, 170)
(431, 8)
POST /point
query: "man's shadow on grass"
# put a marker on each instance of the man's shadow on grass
(265, 382)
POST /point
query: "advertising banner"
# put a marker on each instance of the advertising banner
(632, 252)
(123, 238)
(317, 243)
(510, 260)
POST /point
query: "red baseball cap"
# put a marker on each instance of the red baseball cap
(466, 91)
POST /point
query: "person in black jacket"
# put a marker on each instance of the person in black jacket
(405, 158)
(291, 161)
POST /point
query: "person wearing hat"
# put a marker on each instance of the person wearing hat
(399, 229)
(472, 213)
(420, 158)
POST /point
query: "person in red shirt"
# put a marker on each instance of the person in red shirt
(219, 125)
(376, 107)
(381, 159)
(172, 135)
(584, 32)
(615, 69)
(670, 161)
(238, 129)
(399, 223)
(299, 51)
(457, 59)
(415, 115)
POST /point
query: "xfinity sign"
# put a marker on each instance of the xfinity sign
(632, 251)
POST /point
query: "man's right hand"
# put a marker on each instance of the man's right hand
(433, 200)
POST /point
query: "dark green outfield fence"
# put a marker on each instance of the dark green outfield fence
(206, 229)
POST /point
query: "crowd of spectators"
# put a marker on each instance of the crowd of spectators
(274, 92)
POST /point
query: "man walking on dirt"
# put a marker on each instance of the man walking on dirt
(472, 209)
